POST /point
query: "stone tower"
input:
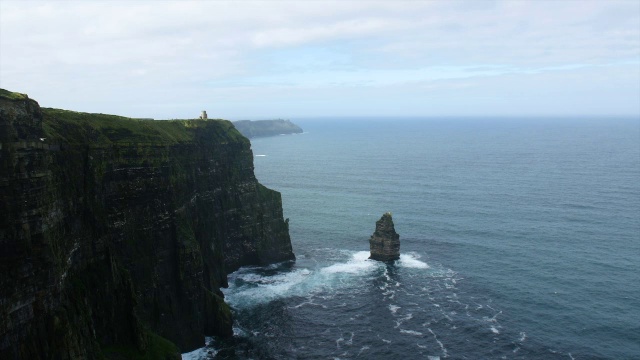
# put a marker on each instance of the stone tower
(203, 115)
(385, 242)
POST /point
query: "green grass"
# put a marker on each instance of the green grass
(12, 95)
(72, 127)
(101, 129)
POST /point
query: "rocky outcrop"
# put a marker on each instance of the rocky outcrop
(385, 242)
(260, 128)
(22, 122)
(117, 234)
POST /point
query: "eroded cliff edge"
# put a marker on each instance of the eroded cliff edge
(116, 233)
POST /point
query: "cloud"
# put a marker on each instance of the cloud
(340, 30)
(117, 52)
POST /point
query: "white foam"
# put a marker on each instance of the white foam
(363, 349)
(394, 308)
(433, 357)
(492, 319)
(261, 155)
(411, 261)
(307, 303)
(359, 263)
(238, 331)
(268, 287)
(275, 279)
(341, 340)
(257, 288)
(201, 353)
(411, 332)
(494, 330)
(350, 341)
(403, 319)
(444, 350)
(523, 336)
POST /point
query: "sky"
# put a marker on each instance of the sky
(297, 59)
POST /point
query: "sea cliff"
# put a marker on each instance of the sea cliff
(118, 233)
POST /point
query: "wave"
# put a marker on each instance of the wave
(410, 260)
(358, 263)
(411, 332)
(250, 286)
(201, 353)
(257, 285)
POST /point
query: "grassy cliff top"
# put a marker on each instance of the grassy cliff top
(12, 95)
(101, 129)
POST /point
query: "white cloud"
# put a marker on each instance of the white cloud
(107, 54)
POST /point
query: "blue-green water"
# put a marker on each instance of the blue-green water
(520, 239)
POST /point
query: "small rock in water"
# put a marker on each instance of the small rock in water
(385, 242)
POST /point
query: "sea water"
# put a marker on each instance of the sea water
(520, 239)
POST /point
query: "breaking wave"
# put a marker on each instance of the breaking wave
(252, 286)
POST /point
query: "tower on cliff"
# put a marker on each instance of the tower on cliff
(203, 115)
(385, 242)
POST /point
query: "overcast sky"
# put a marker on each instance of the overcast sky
(292, 59)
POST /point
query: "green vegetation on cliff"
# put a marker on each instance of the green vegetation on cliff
(101, 129)
(157, 348)
(12, 95)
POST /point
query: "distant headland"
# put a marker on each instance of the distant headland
(260, 128)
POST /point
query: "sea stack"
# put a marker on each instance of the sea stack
(385, 242)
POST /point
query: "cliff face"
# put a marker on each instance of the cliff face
(259, 128)
(117, 234)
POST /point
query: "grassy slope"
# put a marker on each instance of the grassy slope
(12, 95)
(101, 129)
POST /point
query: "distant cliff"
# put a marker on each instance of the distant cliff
(260, 128)
(116, 234)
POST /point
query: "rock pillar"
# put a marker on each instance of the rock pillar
(385, 242)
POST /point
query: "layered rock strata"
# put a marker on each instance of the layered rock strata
(117, 234)
(385, 242)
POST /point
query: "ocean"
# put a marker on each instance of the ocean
(520, 239)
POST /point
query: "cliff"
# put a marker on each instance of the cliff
(117, 233)
(260, 128)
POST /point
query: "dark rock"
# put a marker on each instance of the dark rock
(117, 234)
(20, 117)
(385, 242)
